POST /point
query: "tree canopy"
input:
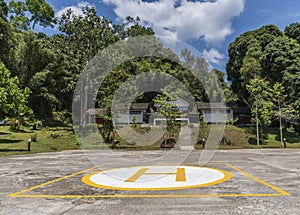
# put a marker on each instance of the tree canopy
(3, 9)
(45, 69)
(265, 53)
(40, 13)
(13, 99)
(293, 31)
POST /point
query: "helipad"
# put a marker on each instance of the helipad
(51, 183)
(189, 180)
(156, 178)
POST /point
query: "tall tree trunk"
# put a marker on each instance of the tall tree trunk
(280, 123)
(33, 26)
(257, 129)
(262, 134)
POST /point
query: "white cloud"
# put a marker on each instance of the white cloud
(294, 15)
(77, 9)
(183, 19)
(212, 56)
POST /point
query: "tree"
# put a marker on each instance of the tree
(279, 97)
(278, 56)
(261, 104)
(7, 41)
(14, 101)
(293, 31)
(191, 80)
(291, 76)
(17, 12)
(264, 98)
(215, 85)
(250, 68)
(85, 34)
(290, 115)
(167, 106)
(41, 13)
(269, 54)
(33, 64)
(245, 57)
(3, 9)
(132, 28)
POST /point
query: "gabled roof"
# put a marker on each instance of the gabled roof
(241, 110)
(95, 111)
(211, 106)
(134, 106)
(181, 102)
(139, 106)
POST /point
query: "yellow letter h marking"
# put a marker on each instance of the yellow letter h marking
(180, 174)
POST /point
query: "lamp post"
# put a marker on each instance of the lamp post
(28, 144)
(284, 143)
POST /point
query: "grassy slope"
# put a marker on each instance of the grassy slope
(245, 137)
(58, 139)
(236, 137)
(47, 140)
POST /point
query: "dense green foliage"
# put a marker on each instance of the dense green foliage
(264, 70)
(13, 99)
(39, 72)
(40, 13)
(3, 9)
(50, 65)
(266, 53)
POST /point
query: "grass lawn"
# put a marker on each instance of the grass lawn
(62, 138)
(245, 137)
(47, 140)
(236, 138)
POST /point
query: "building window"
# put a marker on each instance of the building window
(183, 108)
(225, 111)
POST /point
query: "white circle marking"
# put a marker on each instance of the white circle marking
(156, 178)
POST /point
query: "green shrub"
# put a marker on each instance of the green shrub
(36, 124)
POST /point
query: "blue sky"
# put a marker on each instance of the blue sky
(208, 25)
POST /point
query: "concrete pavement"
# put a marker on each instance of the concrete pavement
(264, 181)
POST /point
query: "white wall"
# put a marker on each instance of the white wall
(217, 116)
(127, 118)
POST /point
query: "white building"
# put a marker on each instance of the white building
(137, 111)
(215, 112)
(184, 107)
